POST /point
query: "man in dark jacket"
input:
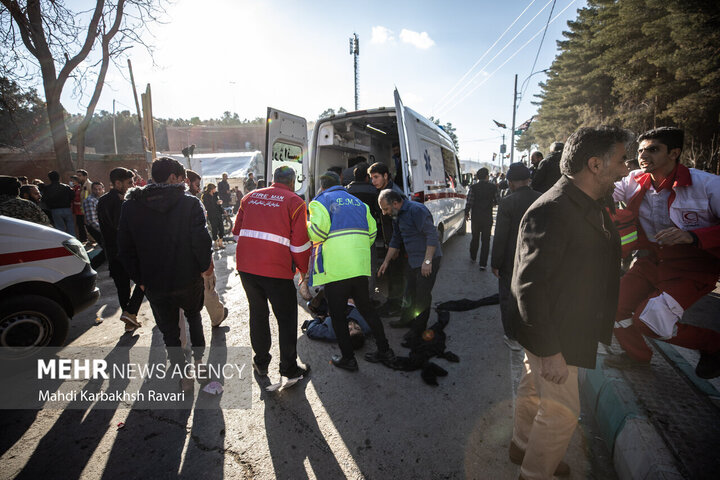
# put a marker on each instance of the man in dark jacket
(108, 212)
(566, 279)
(58, 198)
(381, 180)
(510, 211)
(482, 197)
(166, 248)
(548, 171)
(362, 189)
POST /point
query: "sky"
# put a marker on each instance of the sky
(454, 60)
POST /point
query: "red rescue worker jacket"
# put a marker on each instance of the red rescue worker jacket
(271, 231)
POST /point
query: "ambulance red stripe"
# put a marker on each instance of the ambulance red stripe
(33, 255)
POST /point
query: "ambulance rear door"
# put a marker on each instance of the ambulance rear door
(286, 144)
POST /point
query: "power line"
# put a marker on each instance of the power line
(506, 61)
(484, 54)
(469, 83)
(538, 52)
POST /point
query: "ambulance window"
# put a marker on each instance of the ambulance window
(285, 154)
(451, 173)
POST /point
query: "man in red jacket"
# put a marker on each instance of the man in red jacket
(272, 241)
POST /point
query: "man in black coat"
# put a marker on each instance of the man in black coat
(548, 171)
(510, 211)
(482, 197)
(566, 280)
(108, 212)
(165, 247)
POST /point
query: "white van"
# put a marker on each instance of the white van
(428, 157)
(45, 278)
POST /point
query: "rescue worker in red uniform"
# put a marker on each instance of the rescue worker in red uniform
(678, 212)
(272, 241)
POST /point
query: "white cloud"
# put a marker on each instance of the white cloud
(419, 40)
(381, 35)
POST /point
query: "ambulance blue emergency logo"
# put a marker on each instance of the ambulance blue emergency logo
(428, 165)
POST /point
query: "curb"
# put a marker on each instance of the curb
(639, 451)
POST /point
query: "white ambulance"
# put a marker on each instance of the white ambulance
(45, 278)
(428, 157)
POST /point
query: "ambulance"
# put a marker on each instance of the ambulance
(429, 160)
(45, 279)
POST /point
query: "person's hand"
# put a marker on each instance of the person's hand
(554, 369)
(219, 202)
(382, 269)
(209, 271)
(467, 217)
(426, 269)
(396, 254)
(673, 236)
(142, 287)
(496, 272)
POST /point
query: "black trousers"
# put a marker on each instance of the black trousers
(481, 228)
(166, 308)
(128, 303)
(508, 308)
(80, 224)
(216, 227)
(337, 295)
(397, 283)
(419, 296)
(281, 294)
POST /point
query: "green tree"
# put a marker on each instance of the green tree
(449, 129)
(22, 117)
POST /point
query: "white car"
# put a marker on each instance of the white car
(45, 279)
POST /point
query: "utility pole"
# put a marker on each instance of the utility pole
(114, 132)
(503, 149)
(355, 52)
(512, 130)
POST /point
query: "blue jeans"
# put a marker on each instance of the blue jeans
(63, 220)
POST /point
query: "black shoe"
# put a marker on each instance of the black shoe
(297, 372)
(482, 269)
(349, 364)
(709, 365)
(387, 357)
(623, 361)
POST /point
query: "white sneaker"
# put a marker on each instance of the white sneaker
(512, 344)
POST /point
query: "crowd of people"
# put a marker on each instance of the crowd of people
(556, 254)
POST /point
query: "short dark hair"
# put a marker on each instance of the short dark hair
(482, 173)
(96, 183)
(22, 179)
(25, 189)
(335, 169)
(163, 167)
(54, 176)
(9, 185)
(588, 142)
(84, 172)
(671, 137)
(192, 175)
(284, 175)
(119, 174)
(389, 195)
(361, 171)
(357, 339)
(329, 179)
(557, 146)
(379, 167)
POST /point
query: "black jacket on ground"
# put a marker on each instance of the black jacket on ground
(510, 211)
(567, 275)
(108, 211)
(58, 195)
(547, 173)
(163, 241)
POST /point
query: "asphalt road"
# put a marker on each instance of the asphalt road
(375, 424)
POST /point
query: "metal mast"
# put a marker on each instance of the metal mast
(355, 52)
